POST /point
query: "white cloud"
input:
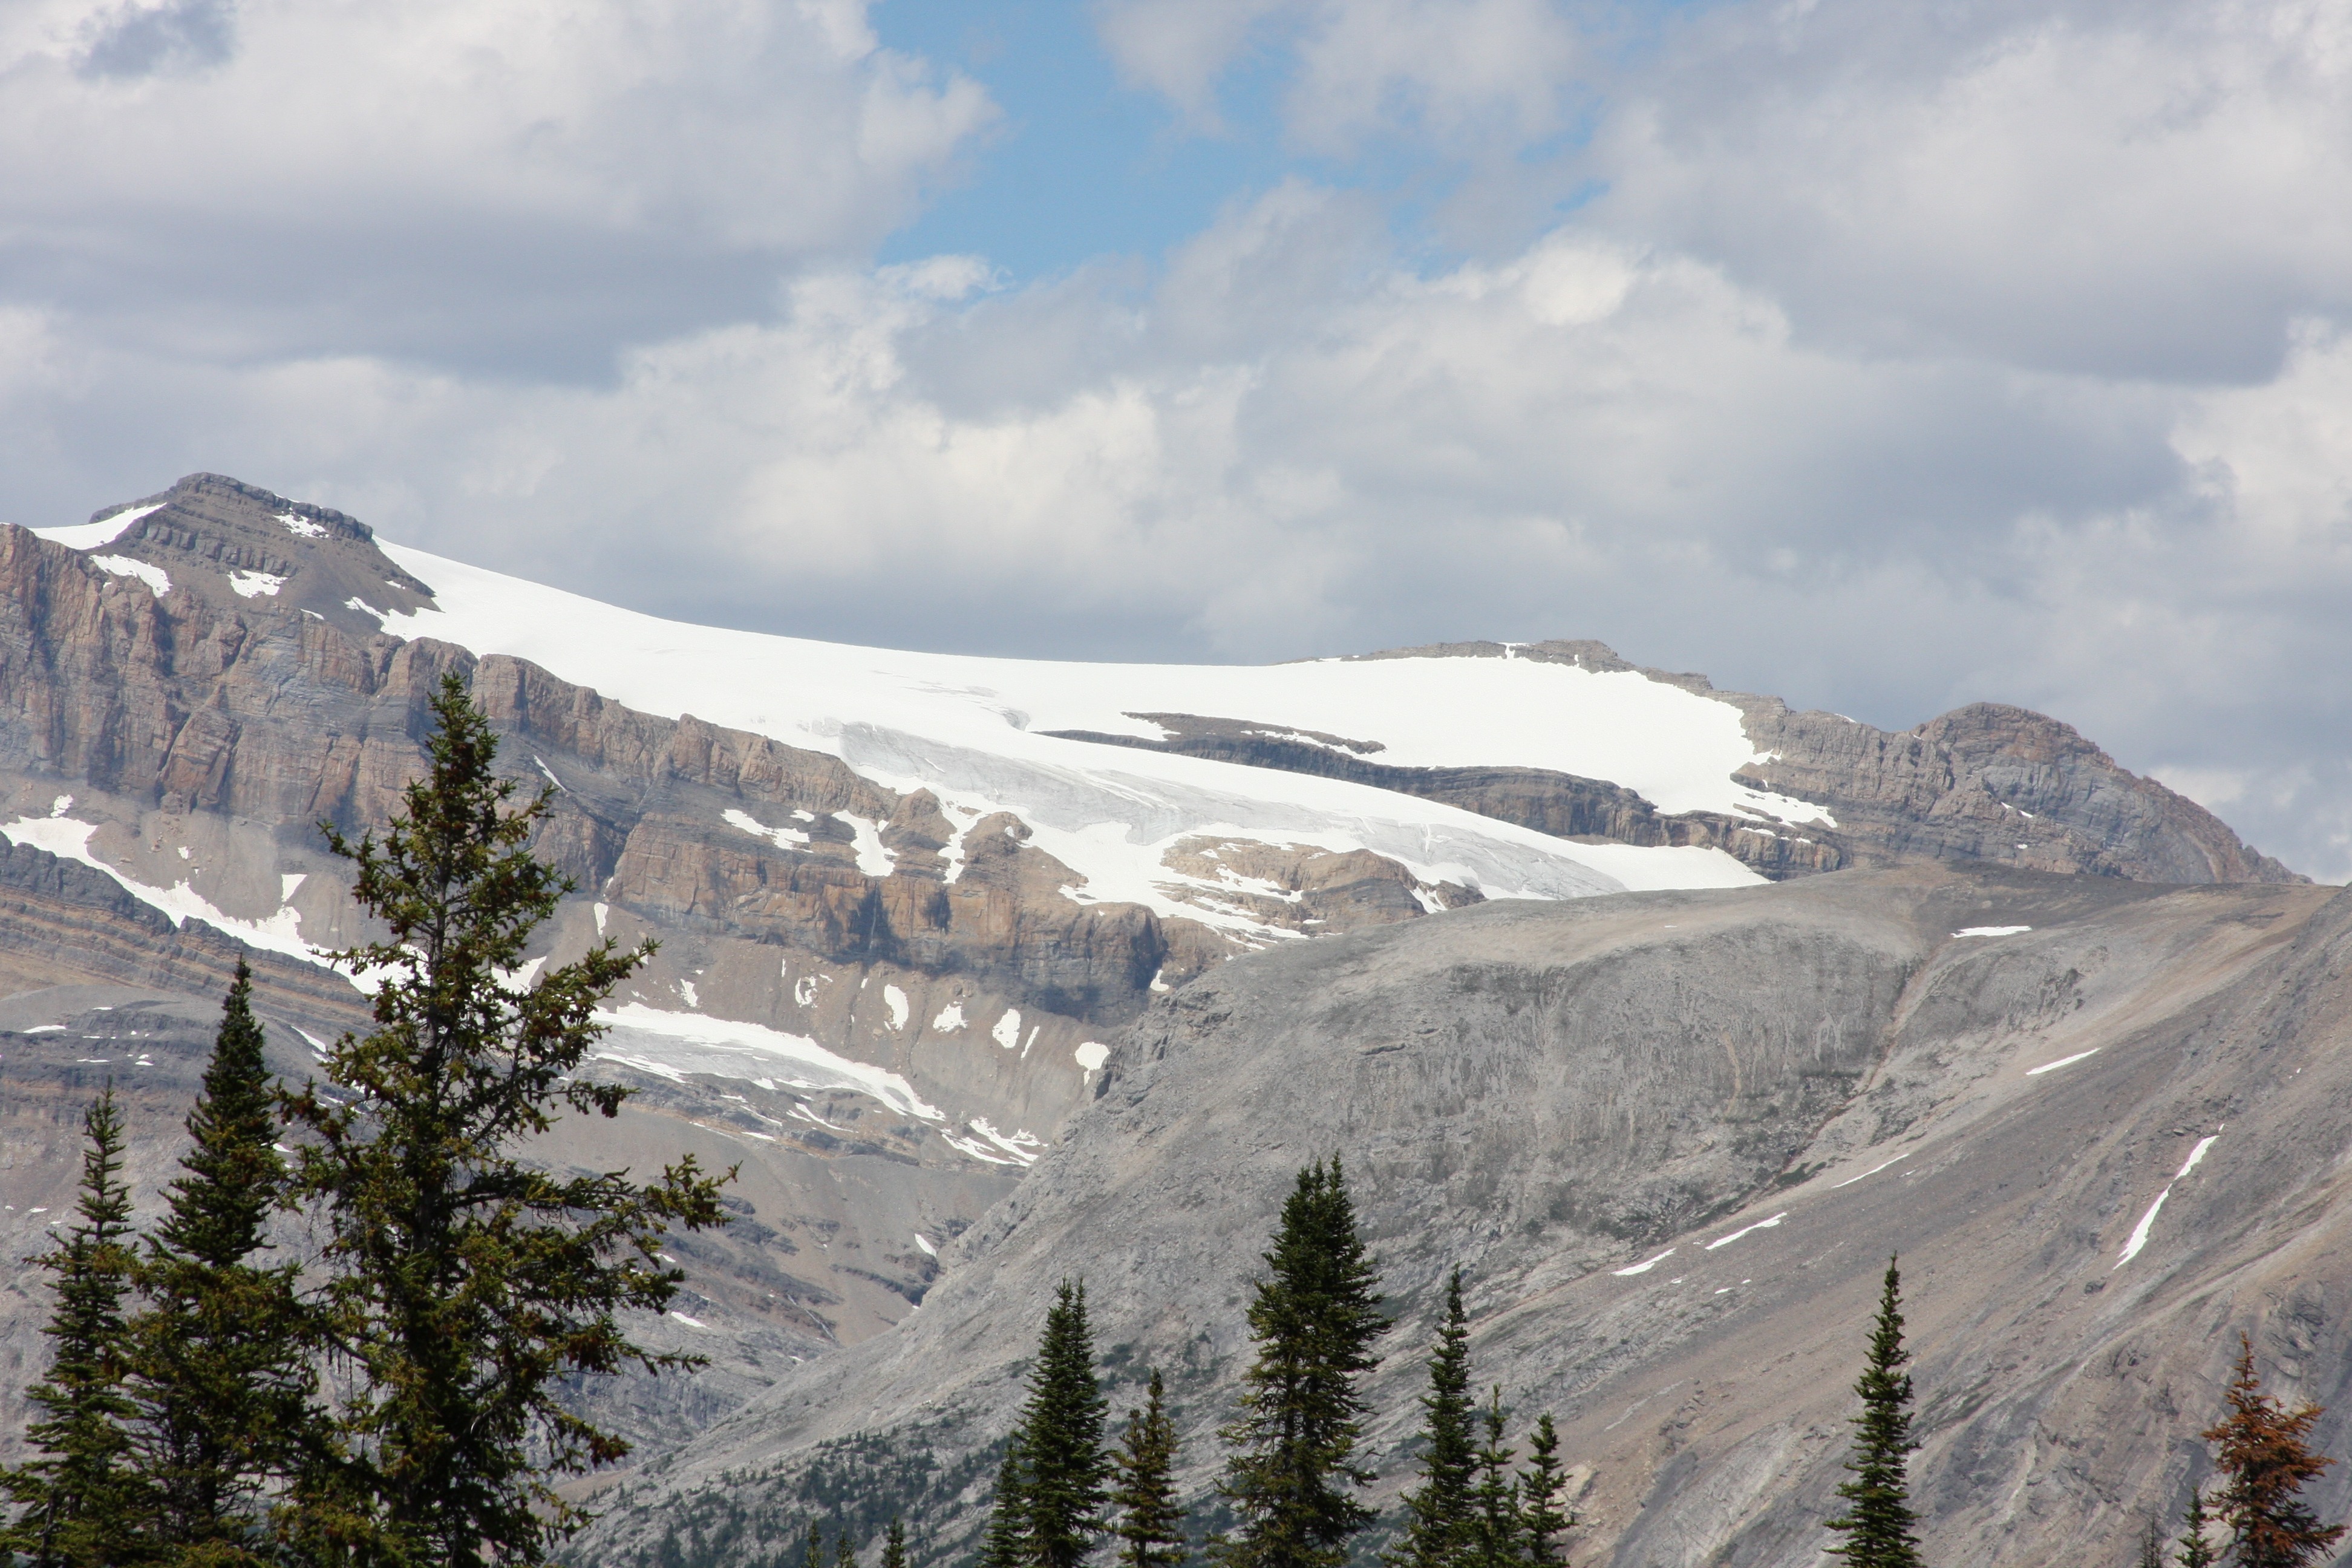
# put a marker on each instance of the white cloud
(1909, 356)
(2131, 190)
(296, 174)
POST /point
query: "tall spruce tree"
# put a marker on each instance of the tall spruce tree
(1006, 1543)
(1498, 1529)
(1878, 1521)
(1437, 1512)
(1064, 1465)
(79, 1500)
(2263, 1454)
(463, 1285)
(2196, 1543)
(894, 1544)
(1542, 1518)
(1150, 1527)
(845, 1550)
(219, 1371)
(2151, 1543)
(1292, 1475)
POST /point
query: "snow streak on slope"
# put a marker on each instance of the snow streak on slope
(968, 730)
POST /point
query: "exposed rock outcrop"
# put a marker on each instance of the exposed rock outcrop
(1673, 1138)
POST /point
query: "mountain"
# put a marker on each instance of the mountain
(1673, 1139)
(908, 902)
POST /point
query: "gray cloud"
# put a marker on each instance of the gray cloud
(1908, 358)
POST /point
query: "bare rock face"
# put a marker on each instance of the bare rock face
(888, 1008)
(1985, 782)
(1673, 1139)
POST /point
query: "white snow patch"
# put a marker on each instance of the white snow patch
(896, 1001)
(105, 531)
(872, 859)
(685, 989)
(602, 910)
(973, 731)
(1873, 1171)
(257, 585)
(302, 527)
(804, 990)
(67, 839)
(949, 1020)
(516, 981)
(1643, 1268)
(1092, 1054)
(978, 1149)
(47, 1029)
(2062, 1062)
(158, 580)
(318, 1046)
(1024, 1146)
(689, 1322)
(801, 1109)
(2148, 1221)
(782, 838)
(1992, 931)
(288, 882)
(1759, 1224)
(722, 1047)
(1007, 1032)
(928, 1250)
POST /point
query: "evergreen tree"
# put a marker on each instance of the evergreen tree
(813, 1546)
(2196, 1551)
(1877, 1524)
(1542, 1519)
(219, 1370)
(2151, 1544)
(1496, 1525)
(463, 1285)
(1291, 1478)
(1150, 1521)
(1437, 1512)
(845, 1550)
(1006, 1544)
(79, 1500)
(1064, 1465)
(2265, 1460)
(894, 1544)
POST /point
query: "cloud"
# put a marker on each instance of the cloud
(1899, 357)
(459, 181)
(1466, 74)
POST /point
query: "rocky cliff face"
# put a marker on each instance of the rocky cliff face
(1674, 1138)
(1985, 782)
(878, 988)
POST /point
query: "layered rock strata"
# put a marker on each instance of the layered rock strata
(1673, 1139)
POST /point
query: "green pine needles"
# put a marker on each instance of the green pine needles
(1878, 1522)
(79, 1499)
(396, 1405)
(1151, 1528)
(1437, 1512)
(1293, 1473)
(463, 1282)
(1063, 1488)
(219, 1369)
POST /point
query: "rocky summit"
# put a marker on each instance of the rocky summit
(986, 972)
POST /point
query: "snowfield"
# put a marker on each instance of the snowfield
(971, 730)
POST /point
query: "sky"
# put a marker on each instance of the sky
(1881, 356)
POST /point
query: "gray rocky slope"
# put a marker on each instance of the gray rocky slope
(182, 705)
(1673, 1139)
